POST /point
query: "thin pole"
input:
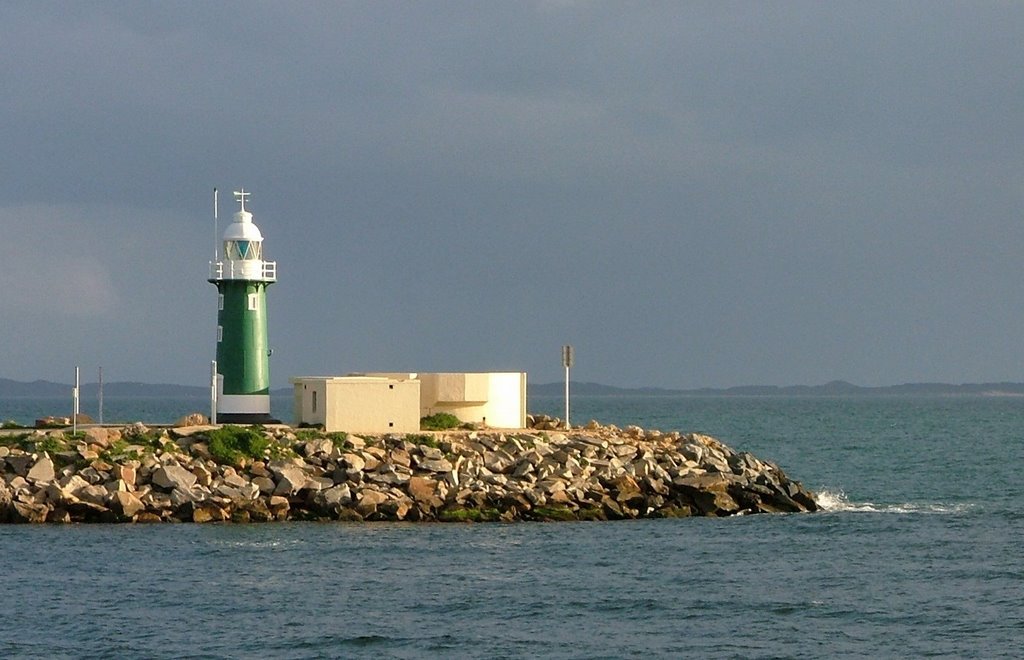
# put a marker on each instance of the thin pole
(567, 396)
(213, 392)
(567, 359)
(101, 395)
(74, 394)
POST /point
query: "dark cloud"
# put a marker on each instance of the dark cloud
(693, 195)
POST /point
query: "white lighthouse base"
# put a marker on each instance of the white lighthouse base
(244, 409)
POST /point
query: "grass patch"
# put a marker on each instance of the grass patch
(305, 435)
(277, 451)
(51, 444)
(441, 421)
(151, 438)
(16, 440)
(229, 445)
(339, 438)
(118, 451)
(11, 424)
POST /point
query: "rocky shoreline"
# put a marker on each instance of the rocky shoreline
(202, 473)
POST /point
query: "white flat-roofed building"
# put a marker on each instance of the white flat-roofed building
(358, 404)
(395, 402)
(494, 399)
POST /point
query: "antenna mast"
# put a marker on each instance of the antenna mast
(215, 237)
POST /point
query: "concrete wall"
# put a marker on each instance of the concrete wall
(310, 400)
(358, 404)
(497, 400)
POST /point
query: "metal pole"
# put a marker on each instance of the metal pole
(213, 392)
(74, 394)
(566, 396)
(101, 395)
(568, 357)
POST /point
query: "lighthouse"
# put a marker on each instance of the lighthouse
(243, 355)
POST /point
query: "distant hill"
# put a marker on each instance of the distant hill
(594, 389)
(834, 388)
(44, 389)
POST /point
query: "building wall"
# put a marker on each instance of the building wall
(310, 400)
(497, 400)
(358, 404)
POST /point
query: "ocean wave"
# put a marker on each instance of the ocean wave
(837, 501)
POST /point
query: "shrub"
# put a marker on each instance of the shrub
(338, 437)
(441, 421)
(308, 433)
(118, 451)
(230, 444)
(151, 438)
(11, 424)
(15, 440)
(51, 445)
(422, 439)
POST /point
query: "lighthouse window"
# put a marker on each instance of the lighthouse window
(220, 302)
(237, 250)
(220, 333)
(253, 302)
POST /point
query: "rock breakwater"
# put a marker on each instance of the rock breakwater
(137, 474)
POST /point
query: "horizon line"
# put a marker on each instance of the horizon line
(834, 383)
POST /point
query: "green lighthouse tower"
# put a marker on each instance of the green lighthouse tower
(243, 356)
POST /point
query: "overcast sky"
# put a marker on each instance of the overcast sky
(692, 194)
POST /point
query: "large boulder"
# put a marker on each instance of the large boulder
(708, 493)
(318, 446)
(42, 471)
(98, 435)
(421, 489)
(290, 480)
(171, 476)
(626, 489)
(354, 462)
(125, 473)
(20, 463)
(369, 500)
(202, 513)
(125, 505)
(435, 465)
(333, 498)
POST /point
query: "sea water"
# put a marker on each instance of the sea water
(917, 553)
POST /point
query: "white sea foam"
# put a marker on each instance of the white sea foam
(837, 501)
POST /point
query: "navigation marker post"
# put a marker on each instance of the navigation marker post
(568, 358)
